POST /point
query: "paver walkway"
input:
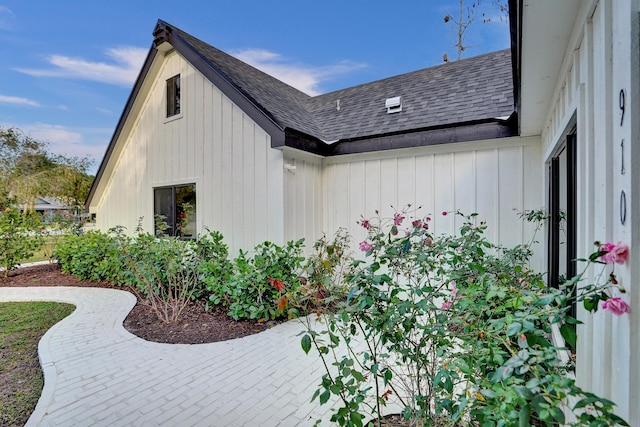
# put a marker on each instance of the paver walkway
(98, 374)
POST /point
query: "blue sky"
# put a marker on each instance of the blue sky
(68, 66)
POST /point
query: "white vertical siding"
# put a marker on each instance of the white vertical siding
(603, 60)
(214, 144)
(491, 178)
(303, 197)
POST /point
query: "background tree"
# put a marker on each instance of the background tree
(28, 170)
(466, 14)
(70, 182)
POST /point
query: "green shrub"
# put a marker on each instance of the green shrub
(215, 269)
(20, 235)
(257, 287)
(455, 330)
(165, 270)
(324, 276)
(90, 256)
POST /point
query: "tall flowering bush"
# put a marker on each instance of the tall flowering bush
(454, 330)
(20, 235)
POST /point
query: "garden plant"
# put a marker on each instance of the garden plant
(448, 330)
(453, 330)
(20, 235)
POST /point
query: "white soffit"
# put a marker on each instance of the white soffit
(546, 29)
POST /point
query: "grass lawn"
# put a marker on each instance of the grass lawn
(22, 324)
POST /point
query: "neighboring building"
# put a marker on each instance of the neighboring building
(49, 207)
(49, 204)
(210, 142)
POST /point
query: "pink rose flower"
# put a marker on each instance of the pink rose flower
(616, 305)
(617, 253)
(454, 294)
(365, 246)
(397, 219)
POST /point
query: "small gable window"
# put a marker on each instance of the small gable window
(173, 96)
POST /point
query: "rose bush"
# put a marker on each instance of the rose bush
(456, 331)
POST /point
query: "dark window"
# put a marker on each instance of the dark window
(174, 209)
(173, 96)
(562, 214)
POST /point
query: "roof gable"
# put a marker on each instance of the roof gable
(467, 100)
(466, 91)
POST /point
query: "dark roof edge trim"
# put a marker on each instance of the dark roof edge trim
(123, 118)
(163, 32)
(515, 30)
(463, 132)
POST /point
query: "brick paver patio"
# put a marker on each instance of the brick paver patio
(98, 374)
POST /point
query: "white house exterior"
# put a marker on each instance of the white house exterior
(270, 163)
(579, 69)
(266, 169)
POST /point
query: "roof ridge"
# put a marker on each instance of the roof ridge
(433, 67)
(249, 87)
(475, 88)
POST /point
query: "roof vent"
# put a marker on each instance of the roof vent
(394, 105)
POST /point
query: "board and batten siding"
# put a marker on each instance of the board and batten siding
(602, 59)
(212, 143)
(303, 197)
(492, 178)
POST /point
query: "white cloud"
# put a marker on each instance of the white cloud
(306, 78)
(104, 111)
(123, 69)
(68, 142)
(6, 18)
(4, 99)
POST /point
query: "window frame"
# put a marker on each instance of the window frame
(562, 170)
(173, 97)
(172, 218)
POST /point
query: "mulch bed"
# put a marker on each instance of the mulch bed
(195, 326)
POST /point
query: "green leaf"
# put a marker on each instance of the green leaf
(590, 304)
(523, 392)
(324, 397)
(356, 418)
(523, 417)
(358, 376)
(557, 415)
(306, 343)
(514, 329)
(569, 334)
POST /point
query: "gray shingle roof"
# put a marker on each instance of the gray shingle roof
(468, 90)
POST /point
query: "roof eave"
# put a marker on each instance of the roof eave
(164, 40)
(515, 30)
(476, 130)
(120, 126)
(163, 33)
